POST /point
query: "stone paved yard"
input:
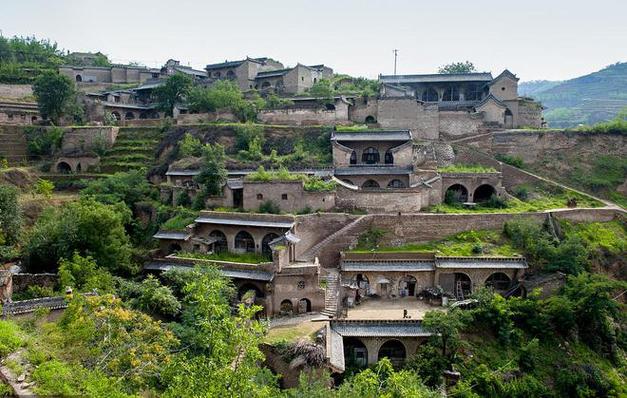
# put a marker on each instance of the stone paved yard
(391, 309)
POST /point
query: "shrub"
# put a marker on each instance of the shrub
(83, 273)
(495, 202)
(521, 192)
(43, 141)
(10, 339)
(44, 188)
(189, 146)
(183, 199)
(370, 239)
(515, 161)
(269, 207)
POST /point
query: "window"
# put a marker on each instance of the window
(389, 158)
(370, 156)
(284, 196)
(370, 184)
(430, 95)
(259, 196)
(301, 284)
(353, 159)
(451, 94)
(302, 78)
(244, 242)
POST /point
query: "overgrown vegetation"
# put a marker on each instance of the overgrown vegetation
(248, 258)
(515, 161)
(23, 59)
(326, 89)
(466, 168)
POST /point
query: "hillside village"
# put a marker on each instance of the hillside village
(269, 230)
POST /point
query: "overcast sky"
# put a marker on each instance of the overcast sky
(548, 39)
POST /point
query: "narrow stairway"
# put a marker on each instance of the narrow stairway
(344, 232)
(331, 293)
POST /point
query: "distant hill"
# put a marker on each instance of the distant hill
(588, 99)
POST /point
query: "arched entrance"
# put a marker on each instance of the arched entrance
(355, 353)
(353, 158)
(129, 116)
(286, 307)
(63, 167)
(370, 184)
(370, 120)
(329, 107)
(79, 168)
(174, 248)
(383, 284)
(462, 286)
(304, 306)
(396, 183)
(249, 287)
(483, 193)
(451, 94)
(244, 242)
(430, 95)
(456, 193)
(116, 115)
(220, 244)
(370, 156)
(394, 350)
(499, 281)
(79, 78)
(407, 286)
(265, 244)
(389, 157)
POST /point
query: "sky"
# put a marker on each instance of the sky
(536, 40)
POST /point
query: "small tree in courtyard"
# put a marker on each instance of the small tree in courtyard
(458, 67)
(176, 87)
(55, 95)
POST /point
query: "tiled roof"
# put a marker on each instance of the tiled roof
(173, 235)
(436, 78)
(481, 262)
(180, 173)
(372, 170)
(226, 64)
(247, 223)
(273, 73)
(373, 135)
(401, 328)
(388, 266)
(229, 273)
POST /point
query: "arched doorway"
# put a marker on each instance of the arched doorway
(230, 75)
(116, 115)
(353, 159)
(370, 156)
(355, 353)
(394, 350)
(370, 120)
(249, 287)
(265, 244)
(304, 306)
(363, 286)
(370, 184)
(430, 95)
(286, 307)
(396, 183)
(509, 118)
(244, 242)
(329, 107)
(265, 85)
(407, 286)
(456, 193)
(220, 245)
(63, 167)
(389, 157)
(462, 285)
(483, 193)
(383, 285)
(129, 116)
(174, 248)
(79, 78)
(499, 281)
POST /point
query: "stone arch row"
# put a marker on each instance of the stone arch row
(453, 93)
(243, 242)
(459, 193)
(302, 306)
(130, 115)
(371, 155)
(356, 352)
(372, 184)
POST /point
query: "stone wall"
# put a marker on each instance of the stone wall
(197, 118)
(86, 139)
(529, 114)
(383, 200)
(15, 91)
(407, 113)
(21, 282)
(290, 196)
(313, 228)
(457, 124)
(306, 117)
(362, 108)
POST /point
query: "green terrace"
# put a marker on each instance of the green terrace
(466, 168)
(243, 258)
(310, 183)
(134, 148)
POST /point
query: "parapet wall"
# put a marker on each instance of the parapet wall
(86, 139)
(15, 91)
(305, 117)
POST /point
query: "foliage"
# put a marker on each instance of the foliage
(10, 339)
(458, 67)
(370, 239)
(87, 227)
(270, 207)
(618, 125)
(55, 94)
(189, 146)
(44, 188)
(445, 328)
(182, 219)
(213, 172)
(183, 199)
(84, 275)
(223, 94)
(150, 296)
(249, 258)
(317, 184)
(10, 215)
(327, 88)
(22, 59)
(273, 101)
(128, 187)
(515, 161)
(606, 173)
(172, 92)
(466, 168)
(43, 141)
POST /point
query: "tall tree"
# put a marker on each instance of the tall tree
(55, 95)
(10, 215)
(213, 173)
(458, 67)
(172, 92)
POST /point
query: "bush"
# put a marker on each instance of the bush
(189, 146)
(10, 339)
(269, 207)
(515, 161)
(370, 239)
(43, 141)
(83, 274)
(183, 199)
(521, 192)
(495, 202)
(44, 188)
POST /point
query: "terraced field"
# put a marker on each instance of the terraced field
(134, 148)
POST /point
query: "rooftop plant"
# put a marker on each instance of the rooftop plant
(466, 168)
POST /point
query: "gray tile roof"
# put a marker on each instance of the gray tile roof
(273, 73)
(401, 328)
(173, 235)
(436, 78)
(481, 262)
(180, 173)
(388, 266)
(226, 64)
(372, 170)
(373, 135)
(247, 223)
(248, 274)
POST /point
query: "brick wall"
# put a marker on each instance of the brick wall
(304, 117)
(407, 113)
(290, 196)
(87, 138)
(21, 282)
(460, 124)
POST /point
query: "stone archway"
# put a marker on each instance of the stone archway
(370, 184)
(244, 242)
(483, 193)
(265, 243)
(174, 248)
(370, 119)
(129, 116)
(456, 193)
(79, 78)
(499, 281)
(220, 245)
(396, 183)
(407, 286)
(395, 351)
(355, 353)
(462, 284)
(64, 168)
(246, 287)
(304, 306)
(286, 308)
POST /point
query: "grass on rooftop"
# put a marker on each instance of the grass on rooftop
(246, 258)
(466, 168)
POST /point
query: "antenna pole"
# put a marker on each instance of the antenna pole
(395, 51)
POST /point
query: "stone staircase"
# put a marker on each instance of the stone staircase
(327, 250)
(13, 146)
(331, 293)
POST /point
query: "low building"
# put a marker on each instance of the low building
(117, 74)
(19, 113)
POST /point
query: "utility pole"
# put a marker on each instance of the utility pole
(395, 51)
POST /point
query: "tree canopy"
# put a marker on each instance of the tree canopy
(172, 92)
(55, 94)
(458, 67)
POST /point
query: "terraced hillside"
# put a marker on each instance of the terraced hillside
(13, 144)
(134, 148)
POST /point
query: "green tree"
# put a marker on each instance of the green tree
(129, 187)
(223, 94)
(213, 172)
(457, 67)
(150, 296)
(55, 94)
(172, 92)
(189, 146)
(44, 188)
(10, 215)
(87, 227)
(83, 274)
(445, 327)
